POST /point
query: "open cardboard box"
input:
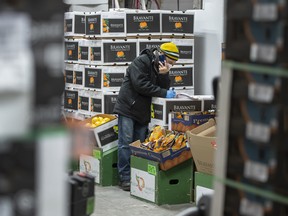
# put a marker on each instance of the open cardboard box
(202, 142)
(167, 159)
(107, 133)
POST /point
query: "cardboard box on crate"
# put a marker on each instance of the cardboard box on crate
(74, 24)
(71, 50)
(84, 102)
(258, 46)
(186, 50)
(96, 102)
(161, 107)
(143, 23)
(93, 24)
(95, 47)
(119, 51)
(83, 51)
(113, 77)
(182, 76)
(202, 142)
(203, 185)
(68, 74)
(177, 23)
(93, 77)
(71, 99)
(78, 76)
(102, 102)
(107, 133)
(113, 24)
(167, 159)
(151, 184)
(187, 121)
(102, 165)
(150, 43)
(109, 99)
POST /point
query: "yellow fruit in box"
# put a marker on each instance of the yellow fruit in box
(106, 119)
(93, 125)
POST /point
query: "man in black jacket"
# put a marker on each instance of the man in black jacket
(146, 77)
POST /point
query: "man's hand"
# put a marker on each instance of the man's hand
(164, 67)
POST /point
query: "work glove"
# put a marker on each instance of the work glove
(170, 94)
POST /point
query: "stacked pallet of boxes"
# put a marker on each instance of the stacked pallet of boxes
(252, 176)
(94, 72)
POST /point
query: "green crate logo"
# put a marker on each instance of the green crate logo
(152, 169)
(97, 154)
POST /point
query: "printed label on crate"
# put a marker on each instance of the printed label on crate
(78, 77)
(210, 105)
(265, 53)
(95, 53)
(250, 208)
(107, 136)
(143, 22)
(96, 105)
(79, 24)
(185, 52)
(112, 25)
(119, 52)
(71, 51)
(256, 171)
(143, 185)
(71, 100)
(260, 92)
(109, 103)
(83, 103)
(113, 79)
(265, 12)
(91, 166)
(69, 76)
(177, 23)
(93, 77)
(149, 44)
(157, 111)
(83, 52)
(93, 23)
(68, 24)
(258, 132)
(181, 76)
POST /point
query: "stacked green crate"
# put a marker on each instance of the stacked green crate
(149, 183)
(108, 172)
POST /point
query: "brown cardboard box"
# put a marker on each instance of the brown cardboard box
(202, 142)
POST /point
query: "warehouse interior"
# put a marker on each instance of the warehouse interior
(209, 111)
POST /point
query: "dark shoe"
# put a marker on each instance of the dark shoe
(125, 185)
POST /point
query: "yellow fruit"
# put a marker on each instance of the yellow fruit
(94, 120)
(106, 119)
(93, 125)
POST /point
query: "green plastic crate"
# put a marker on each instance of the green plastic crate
(108, 166)
(149, 183)
(203, 184)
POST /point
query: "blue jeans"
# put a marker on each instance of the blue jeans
(128, 131)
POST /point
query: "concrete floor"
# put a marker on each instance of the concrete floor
(112, 201)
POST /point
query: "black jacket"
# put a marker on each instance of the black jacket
(141, 83)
